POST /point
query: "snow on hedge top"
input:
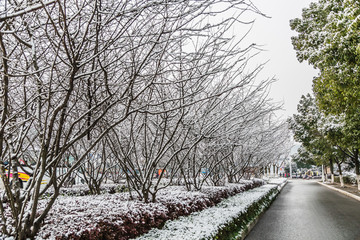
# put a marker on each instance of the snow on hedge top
(278, 181)
(205, 224)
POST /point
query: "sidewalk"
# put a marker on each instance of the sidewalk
(349, 190)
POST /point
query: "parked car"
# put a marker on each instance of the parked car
(23, 177)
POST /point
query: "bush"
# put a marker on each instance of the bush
(115, 216)
(347, 179)
(83, 190)
(227, 220)
(239, 224)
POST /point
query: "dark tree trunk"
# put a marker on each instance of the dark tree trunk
(332, 170)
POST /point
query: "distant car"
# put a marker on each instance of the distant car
(23, 177)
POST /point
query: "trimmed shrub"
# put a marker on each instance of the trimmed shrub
(115, 216)
(347, 179)
(239, 224)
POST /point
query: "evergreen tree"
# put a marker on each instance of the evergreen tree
(328, 38)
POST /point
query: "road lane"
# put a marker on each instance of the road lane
(306, 210)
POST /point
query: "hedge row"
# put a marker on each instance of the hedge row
(347, 179)
(227, 220)
(83, 190)
(238, 228)
(114, 216)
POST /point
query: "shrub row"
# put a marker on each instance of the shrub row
(116, 217)
(347, 179)
(239, 226)
(83, 190)
(223, 221)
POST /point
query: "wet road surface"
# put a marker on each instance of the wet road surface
(306, 210)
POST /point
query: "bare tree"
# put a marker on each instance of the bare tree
(225, 125)
(67, 67)
(73, 73)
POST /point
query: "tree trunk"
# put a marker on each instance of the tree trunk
(145, 195)
(230, 178)
(340, 175)
(273, 170)
(332, 170)
(357, 168)
(341, 181)
(326, 174)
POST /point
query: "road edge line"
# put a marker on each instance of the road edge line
(341, 191)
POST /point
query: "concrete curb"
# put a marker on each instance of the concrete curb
(252, 224)
(340, 191)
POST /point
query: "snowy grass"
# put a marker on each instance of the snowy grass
(214, 222)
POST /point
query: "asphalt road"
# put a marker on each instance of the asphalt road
(306, 210)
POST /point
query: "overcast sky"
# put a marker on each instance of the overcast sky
(294, 78)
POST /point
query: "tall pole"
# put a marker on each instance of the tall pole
(290, 168)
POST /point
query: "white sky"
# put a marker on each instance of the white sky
(294, 78)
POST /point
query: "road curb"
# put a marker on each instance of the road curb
(341, 191)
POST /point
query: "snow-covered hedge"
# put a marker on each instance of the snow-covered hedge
(115, 216)
(229, 217)
(83, 190)
(349, 178)
(277, 181)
